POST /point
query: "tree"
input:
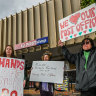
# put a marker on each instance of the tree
(85, 3)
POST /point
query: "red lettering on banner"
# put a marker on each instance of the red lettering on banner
(63, 33)
(65, 24)
(88, 14)
(94, 22)
(67, 32)
(82, 24)
(93, 12)
(19, 65)
(22, 65)
(78, 27)
(5, 92)
(89, 23)
(13, 93)
(7, 63)
(13, 63)
(83, 16)
(2, 62)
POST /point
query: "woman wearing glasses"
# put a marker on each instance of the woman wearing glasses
(85, 66)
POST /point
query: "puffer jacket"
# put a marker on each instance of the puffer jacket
(85, 78)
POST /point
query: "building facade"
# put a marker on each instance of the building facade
(38, 22)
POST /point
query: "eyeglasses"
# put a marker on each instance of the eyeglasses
(87, 42)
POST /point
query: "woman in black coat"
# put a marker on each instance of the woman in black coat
(85, 66)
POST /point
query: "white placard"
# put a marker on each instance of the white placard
(11, 76)
(77, 24)
(47, 71)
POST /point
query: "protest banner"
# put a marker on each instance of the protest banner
(11, 76)
(77, 24)
(47, 71)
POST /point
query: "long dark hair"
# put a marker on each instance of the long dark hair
(4, 53)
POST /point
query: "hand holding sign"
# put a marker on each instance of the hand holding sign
(60, 43)
(24, 82)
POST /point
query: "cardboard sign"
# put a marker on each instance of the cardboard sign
(47, 71)
(11, 76)
(80, 23)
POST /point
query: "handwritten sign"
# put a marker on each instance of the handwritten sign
(80, 23)
(47, 71)
(11, 76)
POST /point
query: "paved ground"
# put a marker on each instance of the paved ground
(32, 92)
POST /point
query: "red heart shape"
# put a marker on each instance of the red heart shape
(85, 31)
(74, 18)
(75, 35)
(66, 38)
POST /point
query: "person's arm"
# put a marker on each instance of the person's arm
(25, 78)
(70, 57)
(24, 83)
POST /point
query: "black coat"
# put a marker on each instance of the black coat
(85, 78)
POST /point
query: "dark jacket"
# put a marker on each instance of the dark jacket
(85, 79)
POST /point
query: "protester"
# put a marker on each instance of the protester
(9, 52)
(46, 89)
(85, 66)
